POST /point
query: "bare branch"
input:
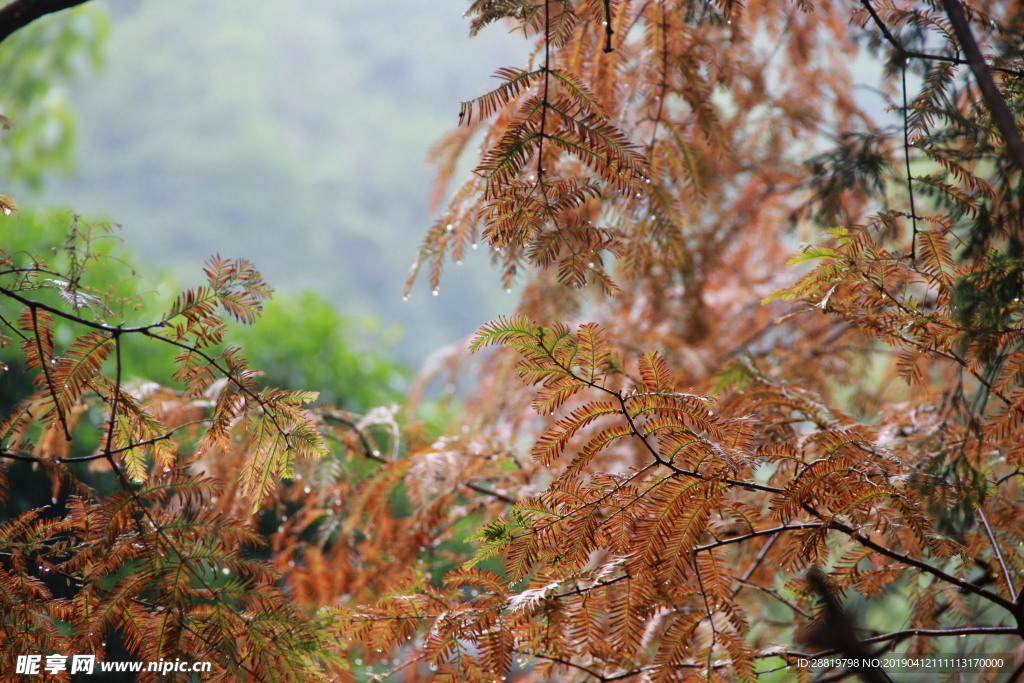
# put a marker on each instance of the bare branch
(20, 13)
(999, 555)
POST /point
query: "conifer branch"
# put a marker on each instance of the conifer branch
(914, 54)
(44, 365)
(903, 558)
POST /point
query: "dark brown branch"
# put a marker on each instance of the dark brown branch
(914, 54)
(886, 33)
(744, 583)
(998, 553)
(366, 448)
(78, 320)
(755, 534)
(572, 664)
(608, 31)
(913, 633)
(956, 60)
(582, 590)
(1001, 114)
(10, 455)
(962, 584)
(21, 13)
(906, 162)
(488, 492)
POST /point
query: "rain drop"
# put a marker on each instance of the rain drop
(434, 292)
(449, 228)
(306, 489)
(225, 571)
(405, 298)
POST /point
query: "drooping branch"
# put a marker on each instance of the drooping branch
(21, 13)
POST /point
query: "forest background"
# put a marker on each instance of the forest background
(302, 128)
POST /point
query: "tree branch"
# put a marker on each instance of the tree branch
(998, 553)
(914, 54)
(755, 534)
(1001, 114)
(20, 13)
(965, 586)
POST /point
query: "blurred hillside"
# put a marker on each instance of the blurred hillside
(292, 133)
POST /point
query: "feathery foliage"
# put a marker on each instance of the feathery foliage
(696, 451)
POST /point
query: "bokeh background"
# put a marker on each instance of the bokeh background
(293, 133)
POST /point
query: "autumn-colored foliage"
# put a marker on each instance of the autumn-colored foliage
(703, 450)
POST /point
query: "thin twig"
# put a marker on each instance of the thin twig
(906, 161)
(997, 551)
(755, 534)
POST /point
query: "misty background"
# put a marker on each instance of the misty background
(293, 133)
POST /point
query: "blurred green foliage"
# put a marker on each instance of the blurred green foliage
(37, 63)
(301, 340)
